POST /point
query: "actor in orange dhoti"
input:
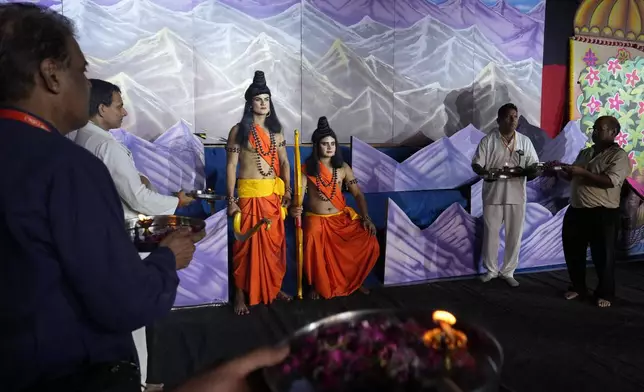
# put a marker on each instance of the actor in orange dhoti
(340, 246)
(257, 145)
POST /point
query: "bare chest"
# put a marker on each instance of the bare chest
(254, 163)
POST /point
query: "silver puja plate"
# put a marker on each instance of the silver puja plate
(207, 194)
(504, 174)
(147, 232)
(383, 350)
(551, 166)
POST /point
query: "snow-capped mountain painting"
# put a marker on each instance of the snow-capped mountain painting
(381, 70)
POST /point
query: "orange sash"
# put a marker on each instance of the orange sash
(326, 187)
(265, 143)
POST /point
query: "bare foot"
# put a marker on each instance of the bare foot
(240, 306)
(314, 295)
(602, 303)
(282, 296)
(571, 295)
(364, 290)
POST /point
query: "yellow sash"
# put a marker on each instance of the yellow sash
(264, 187)
(347, 210)
(250, 187)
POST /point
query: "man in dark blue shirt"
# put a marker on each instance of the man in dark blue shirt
(72, 285)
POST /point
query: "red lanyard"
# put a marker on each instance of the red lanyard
(513, 142)
(10, 114)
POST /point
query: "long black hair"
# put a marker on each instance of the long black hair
(312, 161)
(272, 122)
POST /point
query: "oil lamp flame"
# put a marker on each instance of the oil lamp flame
(145, 222)
(444, 316)
(444, 337)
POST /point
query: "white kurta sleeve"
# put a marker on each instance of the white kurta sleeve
(149, 183)
(531, 156)
(128, 183)
(480, 155)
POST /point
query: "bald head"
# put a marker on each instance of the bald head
(605, 129)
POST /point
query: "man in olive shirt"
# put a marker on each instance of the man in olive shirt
(593, 216)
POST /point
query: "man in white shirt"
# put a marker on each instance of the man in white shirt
(137, 193)
(504, 201)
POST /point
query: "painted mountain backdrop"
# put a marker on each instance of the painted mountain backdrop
(445, 64)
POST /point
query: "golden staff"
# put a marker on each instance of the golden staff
(299, 236)
(239, 236)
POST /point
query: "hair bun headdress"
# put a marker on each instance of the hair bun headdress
(323, 130)
(258, 86)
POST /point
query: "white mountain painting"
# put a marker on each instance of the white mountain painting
(441, 68)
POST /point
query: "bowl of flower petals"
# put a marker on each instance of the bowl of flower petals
(147, 232)
(376, 350)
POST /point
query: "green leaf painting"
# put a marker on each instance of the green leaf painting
(616, 88)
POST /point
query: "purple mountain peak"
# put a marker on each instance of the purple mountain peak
(500, 6)
(538, 12)
(572, 127)
(174, 161)
(467, 140)
(366, 20)
(260, 8)
(453, 212)
(444, 164)
(179, 132)
(541, 246)
(566, 145)
(469, 132)
(375, 169)
(450, 246)
(205, 281)
(444, 249)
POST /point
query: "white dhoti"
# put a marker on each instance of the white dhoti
(494, 216)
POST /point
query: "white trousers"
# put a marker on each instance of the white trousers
(141, 344)
(494, 216)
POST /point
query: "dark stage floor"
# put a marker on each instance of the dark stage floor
(550, 344)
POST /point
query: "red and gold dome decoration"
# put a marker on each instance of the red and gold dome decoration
(611, 19)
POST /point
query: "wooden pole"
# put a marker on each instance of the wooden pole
(298, 199)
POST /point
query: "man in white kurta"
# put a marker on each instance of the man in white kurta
(137, 194)
(504, 201)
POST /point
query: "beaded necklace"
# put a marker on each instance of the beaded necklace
(319, 183)
(260, 152)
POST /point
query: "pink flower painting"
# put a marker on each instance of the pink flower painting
(593, 76)
(615, 102)
(593, 105)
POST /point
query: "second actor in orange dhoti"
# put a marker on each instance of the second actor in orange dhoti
(340, 246)
(262, 181)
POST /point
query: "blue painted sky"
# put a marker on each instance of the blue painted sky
(521, 5)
